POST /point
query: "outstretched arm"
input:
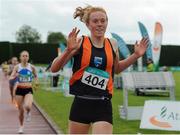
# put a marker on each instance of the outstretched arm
(73, 45)
(139, 50)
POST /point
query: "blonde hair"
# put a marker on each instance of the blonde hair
(84, 13)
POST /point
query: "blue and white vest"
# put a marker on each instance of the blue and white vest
(25, 73)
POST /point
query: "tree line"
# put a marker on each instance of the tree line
(27, 34)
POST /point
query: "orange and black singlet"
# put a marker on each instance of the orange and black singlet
(93, 70)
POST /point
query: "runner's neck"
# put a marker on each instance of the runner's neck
(24, 64)
(97, 42)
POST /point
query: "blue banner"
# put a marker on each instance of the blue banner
(121, 45)
(144, 33)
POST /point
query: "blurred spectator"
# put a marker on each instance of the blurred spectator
(150, 65)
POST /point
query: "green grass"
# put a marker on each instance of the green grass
(57, 106)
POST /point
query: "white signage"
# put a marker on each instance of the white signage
(162, 115)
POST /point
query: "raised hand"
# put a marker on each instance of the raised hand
(72, 42)
(140, 48)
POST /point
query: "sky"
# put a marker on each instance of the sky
(57, 16)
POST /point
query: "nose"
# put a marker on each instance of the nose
(99, 23)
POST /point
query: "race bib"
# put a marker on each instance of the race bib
(23, 78)
(95, 77)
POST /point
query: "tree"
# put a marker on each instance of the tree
(27, 34)
(56, 37)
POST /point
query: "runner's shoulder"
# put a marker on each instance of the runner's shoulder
(32, 66)
(16, 67)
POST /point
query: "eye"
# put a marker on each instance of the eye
(95, 20)
(103, 20)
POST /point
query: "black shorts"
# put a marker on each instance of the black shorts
(89, 111)
(24, 91)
